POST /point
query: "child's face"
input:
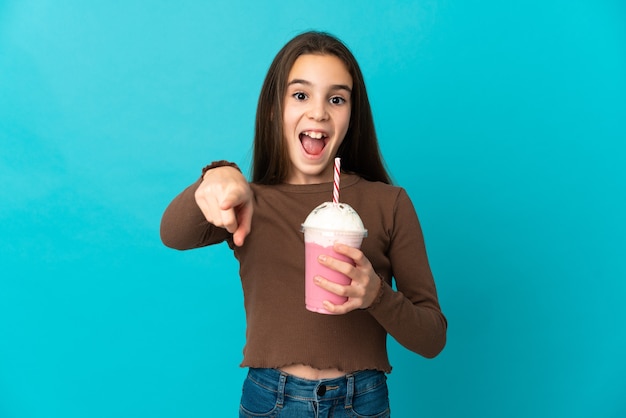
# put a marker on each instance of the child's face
(316, 116)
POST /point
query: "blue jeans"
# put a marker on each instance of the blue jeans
(272, 393)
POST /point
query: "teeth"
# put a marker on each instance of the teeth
(314, 135)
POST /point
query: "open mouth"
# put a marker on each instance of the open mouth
(313, 142)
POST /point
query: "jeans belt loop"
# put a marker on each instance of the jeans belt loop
(349, 390)
(281, 389)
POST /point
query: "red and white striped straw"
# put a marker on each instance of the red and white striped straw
(336, 180)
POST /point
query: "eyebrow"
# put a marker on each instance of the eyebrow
(308, 83)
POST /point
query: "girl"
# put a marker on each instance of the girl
(313, 106)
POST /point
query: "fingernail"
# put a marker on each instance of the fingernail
(322, 257)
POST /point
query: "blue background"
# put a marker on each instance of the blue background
(504, 120)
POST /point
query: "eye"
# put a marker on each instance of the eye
(299, 96)
(337, 100)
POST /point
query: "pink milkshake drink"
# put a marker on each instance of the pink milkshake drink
(326, 224)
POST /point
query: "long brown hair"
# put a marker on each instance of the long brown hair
(359, 152)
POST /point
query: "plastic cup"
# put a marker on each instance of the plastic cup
(318, 241)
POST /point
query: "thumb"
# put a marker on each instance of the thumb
(228, 202)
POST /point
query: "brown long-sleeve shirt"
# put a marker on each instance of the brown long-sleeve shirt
(280, 331)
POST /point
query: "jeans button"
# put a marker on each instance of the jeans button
(321, 390)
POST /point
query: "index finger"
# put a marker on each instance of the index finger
(354, 253)
(244, 217)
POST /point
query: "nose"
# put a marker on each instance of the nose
(317, 110)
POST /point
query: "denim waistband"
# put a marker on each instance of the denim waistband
(316, 390)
